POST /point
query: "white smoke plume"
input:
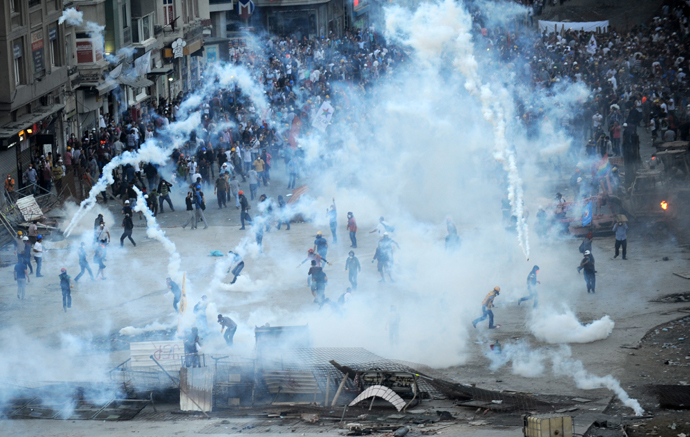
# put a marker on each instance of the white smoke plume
(95, 31)
(444, 27)
(564, 327)
(531, 364)
(153, 230)
(149, 152)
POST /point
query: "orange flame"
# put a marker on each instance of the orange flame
(664, 205)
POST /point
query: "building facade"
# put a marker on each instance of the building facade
(32, 90)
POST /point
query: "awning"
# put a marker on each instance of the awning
(135, 82)
(106, 87)
(163, 70)
(41, 113)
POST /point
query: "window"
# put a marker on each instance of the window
(17, 51)
(13, 7)
(168, 12)
(52, 36)
(33, 3)
(142, 28)
(196, 8)
(125, 21)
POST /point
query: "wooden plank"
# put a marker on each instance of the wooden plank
(684, 275)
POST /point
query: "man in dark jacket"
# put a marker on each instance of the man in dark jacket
(66, 287)
(129, 226)
(587, 265)
(244, 210)
(531, 286)
(227, 324)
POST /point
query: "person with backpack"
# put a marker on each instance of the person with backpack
(66, 287)
(128, 224)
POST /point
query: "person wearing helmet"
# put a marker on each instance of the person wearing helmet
(244, 210)
(26, 254)
(353, 268)
(128, 224)
(487, 305)
(313, 256)
(321, 245)
(37, 250)
(66, 287)
(587, 264)
(531, 286)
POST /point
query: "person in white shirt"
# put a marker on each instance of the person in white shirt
(37, 250)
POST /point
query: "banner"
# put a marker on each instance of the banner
(587, 26)
(37, 50)
(592, 45)
(587, 214)
(142, 64)
(323, 117)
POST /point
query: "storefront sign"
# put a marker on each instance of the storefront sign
(84, 51)
(178, 47)
(37, 50)
(245, 9)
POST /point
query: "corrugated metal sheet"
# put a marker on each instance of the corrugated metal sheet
(196, 385)
(168, 353)
(291, 382)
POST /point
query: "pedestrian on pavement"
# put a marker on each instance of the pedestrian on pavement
(98, 258)
(244, 211)
(38, 255)
(66, 287)
(83, 263)
(317, 279)
(164, 194)
(227, 324)
(332, 215)
(352, 228)
(234, 185)
(587, 264)
(220, 191)
(199, 207)
(282, 211)
(176, 291)
(236, 265)
(189, 201)
(487, 305)
(253, 183)
(128, 224)
(26, 255)
(21, 275)
(531, 286)
(321, 245)
(102, 234)
(353, 268)
(621, 230)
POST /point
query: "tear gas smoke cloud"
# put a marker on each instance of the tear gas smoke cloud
(531, 364)
(445, 27)
(564, 327)
(95, 31)
(153, 230)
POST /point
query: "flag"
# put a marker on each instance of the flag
(323, 116)
(592, 46)
(603, 166)
(587, 214)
